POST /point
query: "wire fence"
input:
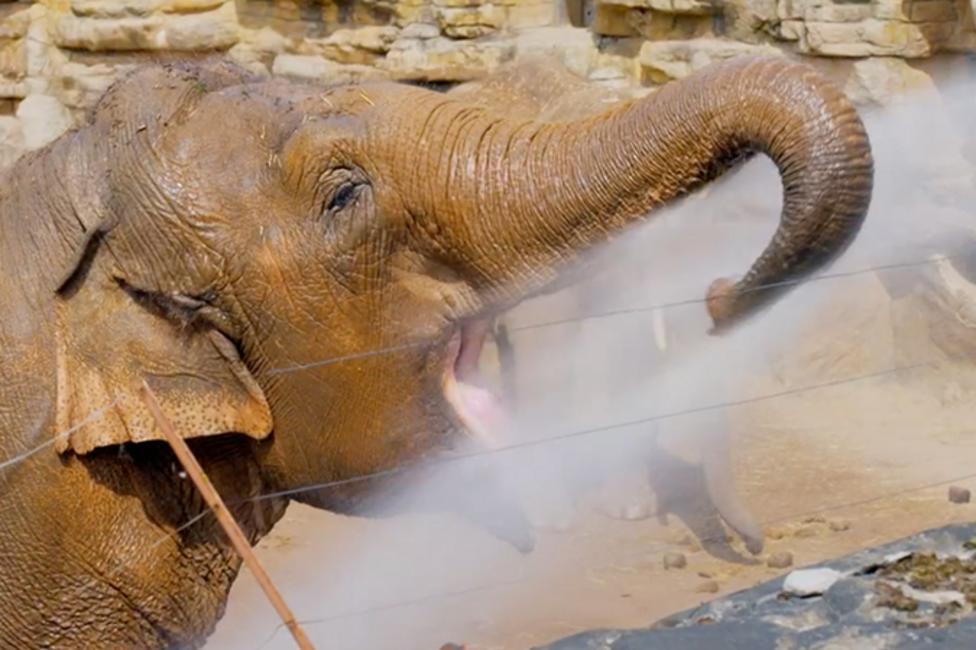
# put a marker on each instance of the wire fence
(98, 412)
(174, 535)
(499, 584)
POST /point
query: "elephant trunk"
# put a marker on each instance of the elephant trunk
(511, 204)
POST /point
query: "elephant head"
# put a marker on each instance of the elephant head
(313, 269)
(320, 263)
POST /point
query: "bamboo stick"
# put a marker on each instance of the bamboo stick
(227, 522)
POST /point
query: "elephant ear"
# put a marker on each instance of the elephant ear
(111, 339)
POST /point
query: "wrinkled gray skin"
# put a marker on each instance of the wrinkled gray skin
(545, 90)
(296, 272)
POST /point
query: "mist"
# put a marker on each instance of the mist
(632, 368)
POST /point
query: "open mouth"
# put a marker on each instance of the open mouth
(480, 409)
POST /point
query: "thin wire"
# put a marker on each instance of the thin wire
(399, 470)
(121, 565)
(436, 596)
(772, 285)
(347, 357)
(587, 432)
(632, 310)
(91, 417)
(551, 439)
(598, 315)
(703, 540)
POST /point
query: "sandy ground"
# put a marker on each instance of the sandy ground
(829, 472)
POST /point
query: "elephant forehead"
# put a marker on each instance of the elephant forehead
(292, 101)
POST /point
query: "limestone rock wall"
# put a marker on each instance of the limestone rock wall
(63, 53)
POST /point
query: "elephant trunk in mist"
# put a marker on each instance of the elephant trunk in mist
(511, 203)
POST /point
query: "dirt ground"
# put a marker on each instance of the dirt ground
(828, 471)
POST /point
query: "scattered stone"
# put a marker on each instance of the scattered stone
(707, 587)
(959, 494)
(704, 574)
(839, 525)
(805, 532)
(776, 533)
(675, 561)
(780, 560)
(810, 582)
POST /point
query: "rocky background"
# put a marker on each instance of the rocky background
(57, 56)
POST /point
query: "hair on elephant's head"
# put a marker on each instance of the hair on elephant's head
(276, 258)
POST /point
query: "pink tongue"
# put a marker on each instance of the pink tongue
(473, 339)
(484, 407)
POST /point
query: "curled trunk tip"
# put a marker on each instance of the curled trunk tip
(821, 148)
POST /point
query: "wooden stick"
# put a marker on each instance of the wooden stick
(233, 531)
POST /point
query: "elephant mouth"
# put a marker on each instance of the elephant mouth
(476, 405)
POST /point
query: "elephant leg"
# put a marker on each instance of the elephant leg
(720, 485)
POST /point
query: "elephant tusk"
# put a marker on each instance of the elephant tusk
(660, 330)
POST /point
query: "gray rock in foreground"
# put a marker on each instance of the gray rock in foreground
(856, 613)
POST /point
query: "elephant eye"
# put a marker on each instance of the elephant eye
(343, 196)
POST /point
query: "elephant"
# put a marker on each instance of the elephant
(544, 89)
(301, 275)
